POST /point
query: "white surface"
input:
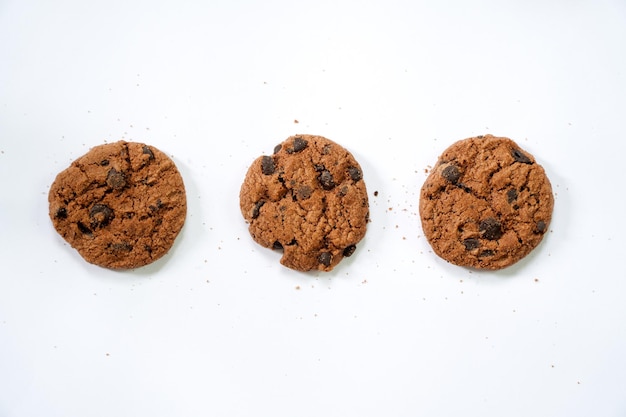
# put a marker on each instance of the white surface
(218, 327)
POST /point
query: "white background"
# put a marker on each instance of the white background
(218, 327)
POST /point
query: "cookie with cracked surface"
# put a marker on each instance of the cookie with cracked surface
(121, 205)
(307, 199)
(486, 204)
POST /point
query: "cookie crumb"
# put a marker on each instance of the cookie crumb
(296, 121)
(375, 193)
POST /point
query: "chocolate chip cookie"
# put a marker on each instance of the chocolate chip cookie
(121, 205)
(308, 199)
(486, 204)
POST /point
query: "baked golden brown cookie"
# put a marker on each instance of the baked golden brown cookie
(309, 200)
(486, 204)
(121, 205)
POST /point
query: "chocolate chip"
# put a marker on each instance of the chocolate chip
(148, 151)
(299, 144)
(100, 215)
(541, 227)
(519, 156)
(304, 192)
(451, 173)
(104, 162)
(486, 252)
(490, 228)
(471, 243)
(277, 148)
(121, 247)
(157, 206)
(277, 245)
(326, 180)
(325, 258)
(355, 174)
(267, 165)
(61, 213)
(256, 210)
(84, 229)
(511, 195)
(116, 179)
(348, 251)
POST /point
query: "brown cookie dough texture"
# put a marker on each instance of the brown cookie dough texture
(121, 205)
(309, 200)
(486, 204)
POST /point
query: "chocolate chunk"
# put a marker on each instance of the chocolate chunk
(277, 148)
(116, 179)
(355, 174)
(256, 210)
(326, 180)
(277, 245)
(451, 173)
(104, 162)
(267, 165)
(541, 227)
(84, 229)
(511, 195)
(486, 252)
(349, 250)
(299, 144)
(147, 151)
(121, 247)
(490, 228)
(61, 213)
(100, 215)
(471, 243)
(325, 258)
(304, 192)
(519, 156)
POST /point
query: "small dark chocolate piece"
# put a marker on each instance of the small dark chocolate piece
(326, 180)
(147, 151)
(348, 251)
(100, 215)
(61, 213)
(355, 174)
(511, 195)
(541, 226)
(121, 247)
(519, 156)
(471, 243)
(84, 229)
(256, 210)
(116, 179)
(325, 258)
(451, 173)
(267, 165)
(490, 228)
(299, 144)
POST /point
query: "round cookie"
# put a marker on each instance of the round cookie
(486, 204)
(309, 200)
(121, 205)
